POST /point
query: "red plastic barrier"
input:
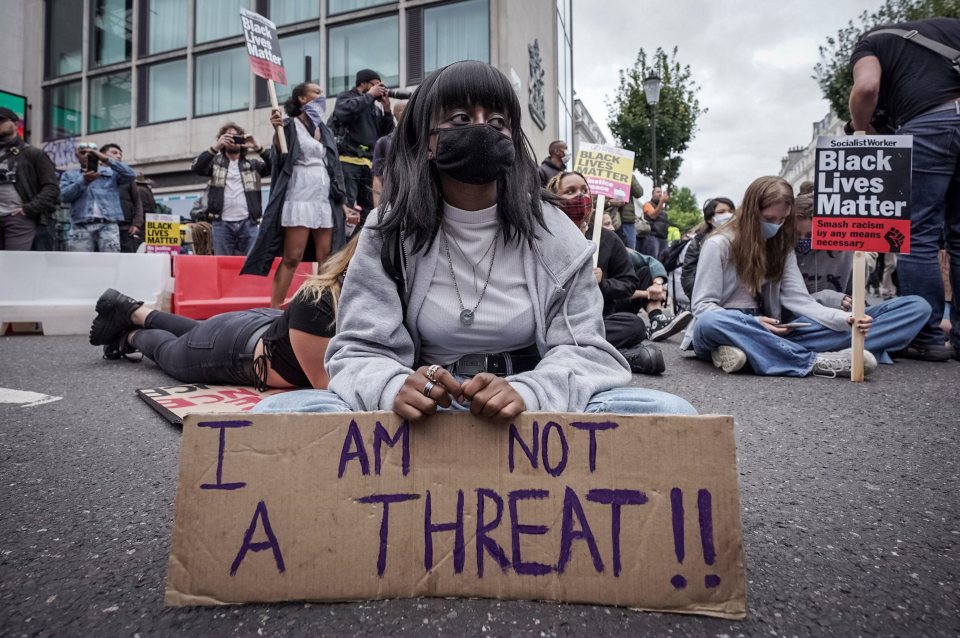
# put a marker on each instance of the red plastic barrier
(206, 285)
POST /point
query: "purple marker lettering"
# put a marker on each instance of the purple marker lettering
(676, 504)
(593, 428)
(386, 499)
(531, 454)
(556, 470)
(248, 544)
(484, 542)
(222, 425)
(571, 508)
(380, 436)
(517, 528)
(429, 528)
(355, 440)
(616, 499)
(705, 509)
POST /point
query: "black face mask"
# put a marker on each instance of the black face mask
(473, 153)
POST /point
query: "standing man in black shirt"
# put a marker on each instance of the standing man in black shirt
(361, 117)
(920, 92)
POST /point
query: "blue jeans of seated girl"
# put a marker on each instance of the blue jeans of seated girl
(616, 401)
(895, 324)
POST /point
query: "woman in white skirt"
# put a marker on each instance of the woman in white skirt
(306, 192)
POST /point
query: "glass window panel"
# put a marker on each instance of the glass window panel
(295, 48)
(221, 82)
(62, 106)
(112, 28)
(342, 6)
(372, 44)
(454, 32)
(166, 97)
(218, 19)
(109, 102)
(290, 11)
(166, 25)
(64, 38)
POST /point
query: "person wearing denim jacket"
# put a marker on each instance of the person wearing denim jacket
(94, 198)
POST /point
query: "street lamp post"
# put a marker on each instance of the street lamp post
(651, 89)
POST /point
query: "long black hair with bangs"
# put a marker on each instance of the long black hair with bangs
(411, 183)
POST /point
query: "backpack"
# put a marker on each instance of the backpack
(340, 132)
(671, 257)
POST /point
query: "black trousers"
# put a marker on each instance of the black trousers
(624, 329)
(128, 243)
(210, 351)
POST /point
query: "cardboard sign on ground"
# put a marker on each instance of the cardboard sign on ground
(607, 170)
(641, 512)
(862, 193)
(175, 402)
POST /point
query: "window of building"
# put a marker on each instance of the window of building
(61, 111)
(343, 6)
(218, 19)
(111, 31)
(108, 106)
(446, 33)
(162, 94)
(290, 11)
(295, 50)
(221, 82)
(371, 44)
(163, 26)
(64, 51)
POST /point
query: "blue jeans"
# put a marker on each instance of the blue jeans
(234, 238)
(94, 237)
(895, 324)
(653, 246)
(618, 400)
(628, 233)
(935, 213)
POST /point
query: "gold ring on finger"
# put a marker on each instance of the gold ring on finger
(432, 372)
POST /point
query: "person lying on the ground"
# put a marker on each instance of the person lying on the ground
(263, 347)
(472, 292)
(615, 275)
(747, 278)
(827, 275)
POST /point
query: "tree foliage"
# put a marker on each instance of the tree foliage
(677, 114)
(683, 210)
(833, 72)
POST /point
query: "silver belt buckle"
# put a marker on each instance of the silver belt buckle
(470, 365)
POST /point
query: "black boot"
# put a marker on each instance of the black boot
(644, 359)
(120, 348)
(113, 317)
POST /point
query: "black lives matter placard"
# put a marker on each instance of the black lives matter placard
(863, 193)
(263, 47)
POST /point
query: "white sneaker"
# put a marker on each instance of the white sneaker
(840, 364)
(729, 359)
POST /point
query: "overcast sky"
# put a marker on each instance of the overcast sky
(753, 62)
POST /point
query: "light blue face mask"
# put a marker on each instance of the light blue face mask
(315, 109)
(769, 230)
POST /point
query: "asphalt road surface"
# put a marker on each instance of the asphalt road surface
(850, 506)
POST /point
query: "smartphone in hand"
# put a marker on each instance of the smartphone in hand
(795, 324)
(92, 163)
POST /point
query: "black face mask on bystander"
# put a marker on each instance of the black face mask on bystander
(473, 153)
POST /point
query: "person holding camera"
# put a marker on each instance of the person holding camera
(93, 192)
(902, 73)
(28, 186)
(361, 117)
(232, 201)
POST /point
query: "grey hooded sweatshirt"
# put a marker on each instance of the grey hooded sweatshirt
(374, 350)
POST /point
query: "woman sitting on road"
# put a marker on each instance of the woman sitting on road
(471, 292)
(264, 348)
(747, 279)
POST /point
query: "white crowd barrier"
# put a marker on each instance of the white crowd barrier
(60, 289)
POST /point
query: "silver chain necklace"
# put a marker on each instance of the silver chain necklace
(466, 316)
(473, 267)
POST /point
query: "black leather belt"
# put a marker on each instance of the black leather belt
(502, 364)
(251, 345)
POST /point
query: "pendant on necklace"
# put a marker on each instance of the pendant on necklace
(466, 317)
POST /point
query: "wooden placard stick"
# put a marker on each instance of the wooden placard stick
(281, 139)
(597, 224)
(859, 307)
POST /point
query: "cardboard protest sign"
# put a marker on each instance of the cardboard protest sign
(634, 511)
(162, 233)
(175, 402)
(607, 169)
(862, 193)
(263, 46)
